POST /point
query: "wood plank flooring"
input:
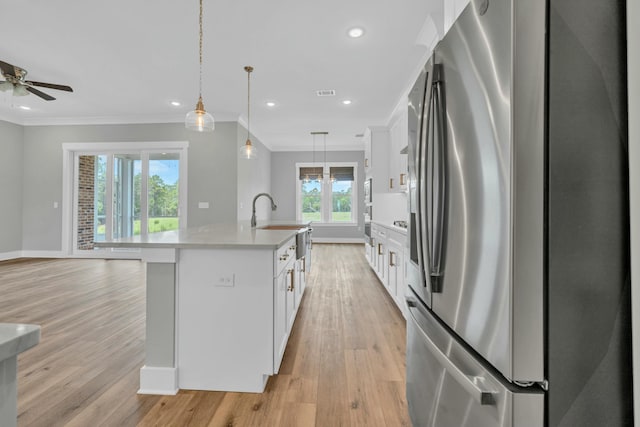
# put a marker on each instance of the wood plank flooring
(344, 364)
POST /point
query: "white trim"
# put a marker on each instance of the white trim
(43, 254)
(325, 197)
(72, 149)
(352, 146)
(158, 380)
(4, 256)
(337, 240)
(123, 147)
(160, 255)
(114, 120)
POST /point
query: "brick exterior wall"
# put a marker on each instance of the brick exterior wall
(86, 191)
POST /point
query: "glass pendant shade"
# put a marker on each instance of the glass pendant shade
(199, 120)
(248, 151)
(20, 90)
(6, 86)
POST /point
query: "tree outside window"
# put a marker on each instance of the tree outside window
(326, 193)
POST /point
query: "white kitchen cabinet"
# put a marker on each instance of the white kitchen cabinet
(398, 134)
(386, 256)
(376, 160)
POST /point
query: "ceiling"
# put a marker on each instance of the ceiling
(126, 61)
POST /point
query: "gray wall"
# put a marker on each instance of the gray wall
(283, 182)
(10, 187)
(212, 170)
(254, 176)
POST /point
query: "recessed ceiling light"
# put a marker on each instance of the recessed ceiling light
(346, 102)
(24, 107)
(176, 103)
(356, 32)
(270, 104)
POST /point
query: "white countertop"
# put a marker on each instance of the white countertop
(16, 338)
(233, 236)
(389, 225)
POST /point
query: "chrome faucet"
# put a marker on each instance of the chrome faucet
(253, 212)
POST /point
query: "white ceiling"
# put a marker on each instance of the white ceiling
(127, 59)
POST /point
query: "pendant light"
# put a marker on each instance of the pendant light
(248, 151)
(199, 120)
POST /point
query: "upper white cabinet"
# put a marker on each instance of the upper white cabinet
(376, 158)
(397, 161)
(452, 9)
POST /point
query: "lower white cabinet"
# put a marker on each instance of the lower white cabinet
(386, 257)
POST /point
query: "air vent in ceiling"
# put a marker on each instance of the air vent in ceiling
(326, 92)
(359, 135)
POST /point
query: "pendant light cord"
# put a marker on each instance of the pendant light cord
(200, 87)
(248, 101)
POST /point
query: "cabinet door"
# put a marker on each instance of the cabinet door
(401, 282)
(280, 332)
(367, 150)
(392, 277)
(300, 279)
(291, 306)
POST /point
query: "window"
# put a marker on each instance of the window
(122, 190)
(326, 193)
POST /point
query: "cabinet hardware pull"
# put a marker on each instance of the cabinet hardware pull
(392, 261)
(291, 284)
(380, 249)
(403, 179)
(366, 163)
(292, 247)
(390, 182)
(284, 257)
(304, 265)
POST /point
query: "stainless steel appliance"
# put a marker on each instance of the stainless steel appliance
(519, 283)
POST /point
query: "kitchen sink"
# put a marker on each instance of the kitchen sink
(303, 237)
(281, 227)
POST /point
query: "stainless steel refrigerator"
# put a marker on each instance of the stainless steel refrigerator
(519, 277)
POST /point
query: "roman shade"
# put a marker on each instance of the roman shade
(341, 173)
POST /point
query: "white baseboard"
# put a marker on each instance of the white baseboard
(337, 239)
(42, 254)
(154, 380)
(4, 256)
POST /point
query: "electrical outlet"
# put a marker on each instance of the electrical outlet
(227, 281)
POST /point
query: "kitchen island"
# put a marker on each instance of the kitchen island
(221, 301)
(14, 339)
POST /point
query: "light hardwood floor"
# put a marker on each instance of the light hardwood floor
(344, 364)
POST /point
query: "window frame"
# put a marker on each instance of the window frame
(327, 194)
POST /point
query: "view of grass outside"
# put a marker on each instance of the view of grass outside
(341, 199)
(162, 188)
(155, 225)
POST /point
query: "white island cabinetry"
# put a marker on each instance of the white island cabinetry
(221, 302)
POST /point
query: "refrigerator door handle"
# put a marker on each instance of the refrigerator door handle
(475, 385)
(425, 187)
(438, 181)
(421, 196)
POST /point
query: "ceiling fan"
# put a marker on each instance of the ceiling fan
(15, 80)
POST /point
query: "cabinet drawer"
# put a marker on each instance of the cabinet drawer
(285, 254)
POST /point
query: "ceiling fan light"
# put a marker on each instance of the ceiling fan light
(6, 86)
(199, 120)
(20, 90)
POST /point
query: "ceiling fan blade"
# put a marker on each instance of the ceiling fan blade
(7, 69)
(50, 85)
(39, 93)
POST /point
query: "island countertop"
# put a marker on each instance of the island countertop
(224, 235)
(16, 338)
